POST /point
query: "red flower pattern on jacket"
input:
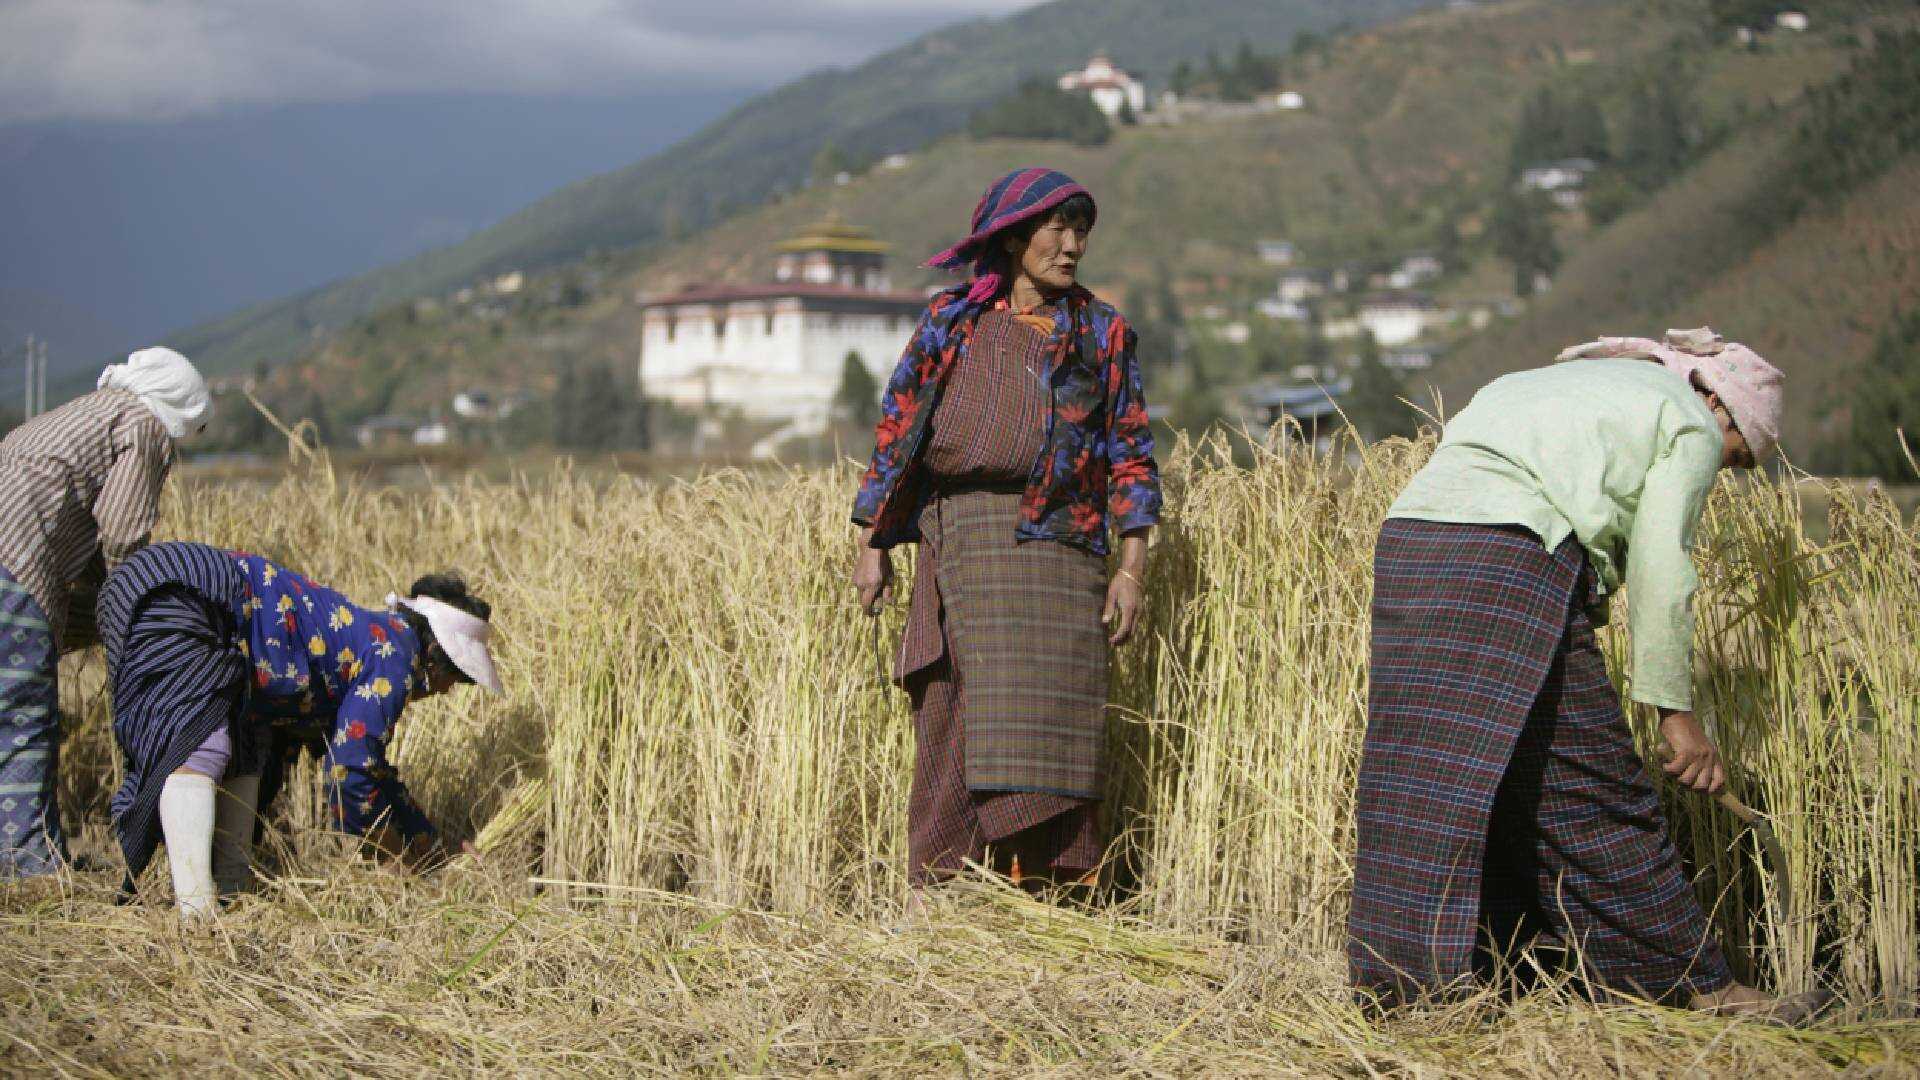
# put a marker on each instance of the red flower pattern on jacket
(1097, 470)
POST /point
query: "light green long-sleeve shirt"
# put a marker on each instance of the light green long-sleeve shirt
(1619, 453)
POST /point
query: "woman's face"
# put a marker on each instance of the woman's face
(440, 678)
(1050, 258)
(1734, 451)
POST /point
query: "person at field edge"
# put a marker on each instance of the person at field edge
(212, 653)
(1013, 438)
(1499, 780)
(79, 493)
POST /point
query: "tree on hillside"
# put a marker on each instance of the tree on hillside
(1247, 75)
(1521, 230)
(1373, 405)
(1216, 70)
(592, 410)
(857, 401)
(1883, 402)
(1162, 305)
(310, 406)
(242, 425)
(1555, 126)
(1730, 15)
(1041, 110)
(830, 161)
(1157, 321)
(1855, 128)
(1181, 81)
(1253, 72)
(601, 412)
(1447, 242)
(1658, 139)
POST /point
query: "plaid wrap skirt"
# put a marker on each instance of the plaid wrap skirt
(1009, 695)
(1500, 791)
(1022, 622)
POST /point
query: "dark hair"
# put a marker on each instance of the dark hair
(1078, 212)
(449, 588)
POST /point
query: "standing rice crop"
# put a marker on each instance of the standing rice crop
(696, 706)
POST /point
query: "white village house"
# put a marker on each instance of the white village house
(1565, 182)
(775, 350)
(1556, 175)
(1415, 270)
(1392, 319)
(1298, 286)
(1276, 252)
(1108, 86)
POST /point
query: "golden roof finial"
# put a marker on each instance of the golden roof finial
(834, 233)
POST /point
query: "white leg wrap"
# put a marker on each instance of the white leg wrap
(186, 820)
(233, 833)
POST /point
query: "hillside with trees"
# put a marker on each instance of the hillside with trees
(1411, 143)
(899, 101)
(1040, 110)
(1798, 233)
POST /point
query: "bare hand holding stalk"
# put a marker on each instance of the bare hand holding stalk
(1127, 592)
(872, 575)
(1693, 759)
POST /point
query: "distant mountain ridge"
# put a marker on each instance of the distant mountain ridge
(121, 232)
(1408, 127)
(898, 101)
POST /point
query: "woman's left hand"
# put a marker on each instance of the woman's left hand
(1126, 599)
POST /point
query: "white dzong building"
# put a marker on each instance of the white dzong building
(776, 350)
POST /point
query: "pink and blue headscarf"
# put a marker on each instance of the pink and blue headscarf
(1014, 198)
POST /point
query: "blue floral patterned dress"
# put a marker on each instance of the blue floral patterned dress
(325, 666)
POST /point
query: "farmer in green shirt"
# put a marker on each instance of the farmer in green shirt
(1499, 783)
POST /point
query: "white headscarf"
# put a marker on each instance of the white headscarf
(168, 384)
(462, 636)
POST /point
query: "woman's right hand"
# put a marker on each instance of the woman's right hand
(873, 577)
(1693, 760)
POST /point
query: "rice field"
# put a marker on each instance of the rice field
(690, 809)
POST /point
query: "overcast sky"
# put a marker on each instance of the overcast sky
(167, 59)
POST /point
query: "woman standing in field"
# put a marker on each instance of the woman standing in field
(79, 493)
(209, 651)
(1014, 433)
(1499, 778)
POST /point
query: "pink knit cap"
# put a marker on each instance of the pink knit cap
(1751, 388)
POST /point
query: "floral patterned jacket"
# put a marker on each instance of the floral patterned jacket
(1098, 463)
(324, 664)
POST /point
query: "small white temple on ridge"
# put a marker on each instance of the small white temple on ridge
(776, 349)
(1107, 85)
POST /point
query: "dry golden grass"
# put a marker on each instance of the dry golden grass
(692, 798)
(468, 974)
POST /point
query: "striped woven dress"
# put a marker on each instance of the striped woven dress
(79, 492)
(1004, 654)
(175, 665)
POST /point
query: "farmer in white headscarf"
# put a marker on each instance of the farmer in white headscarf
(79, 493)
